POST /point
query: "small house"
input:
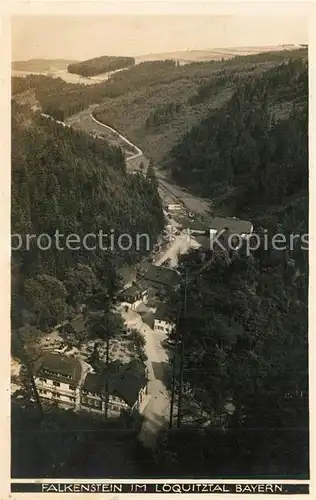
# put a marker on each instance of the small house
(161, 279)
(174, 206)
(76, 327)
(134, 295)
(123, 385)
(164, 321)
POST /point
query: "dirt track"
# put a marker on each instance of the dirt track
(134, 157)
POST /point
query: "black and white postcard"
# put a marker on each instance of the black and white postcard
(159, 214)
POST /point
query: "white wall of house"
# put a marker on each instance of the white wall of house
(69, 395)
(141, 394)
(141, 300)
(126, 304)
(64, 393)
(163, 326)
(174, 206)
(136, 304)
(94, 402)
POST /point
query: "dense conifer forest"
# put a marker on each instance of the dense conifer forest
(99, 65)
(246, 321)
(64, 180)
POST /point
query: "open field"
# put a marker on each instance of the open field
(187, 56)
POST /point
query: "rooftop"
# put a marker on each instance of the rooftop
(133, 290)
(123, 380)
(195, 224)
(142, 309)
(161, 276)
(60, 367)
(164, 313)
(149, 319)
(235, 226)
(78, 325)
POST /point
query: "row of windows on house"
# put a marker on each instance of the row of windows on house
(158, 327)
(72, 388)
(93, 403)
(56, 374)
(57, 384)
(56, 395)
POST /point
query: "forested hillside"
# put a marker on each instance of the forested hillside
(61, 99)
(99, 65)
(64, 180)
(246, 367)
(246, 321)
(193, 91)
(148, 85)
(254, 144)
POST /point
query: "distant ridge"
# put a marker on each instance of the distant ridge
(39, 65)
(187, 56)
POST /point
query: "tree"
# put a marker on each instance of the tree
(46, 297)
(105, 325)
(151, 176)
(80, 282)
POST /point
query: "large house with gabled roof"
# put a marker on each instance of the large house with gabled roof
(58, 378)
(164, 320)
(134, 295)
(159, 278)
(72, 383)
(124, 384)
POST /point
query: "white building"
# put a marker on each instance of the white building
(164, 321)
(71, 384)
(58, 378)
(174, 206)
(125, 387)
(133, 296)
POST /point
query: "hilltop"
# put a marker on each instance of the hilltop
(41, 65)
(215, 54)
(100, 65)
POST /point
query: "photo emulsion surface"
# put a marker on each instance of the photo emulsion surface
(159, 247)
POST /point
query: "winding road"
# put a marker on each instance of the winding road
(168, 191)
(129, 158)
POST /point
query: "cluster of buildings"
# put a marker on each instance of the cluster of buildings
(153, 281)
(72, 383)
(157, 281)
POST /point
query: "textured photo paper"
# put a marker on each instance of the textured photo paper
(159, 249)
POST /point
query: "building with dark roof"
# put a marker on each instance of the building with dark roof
(70, 383)
(161, 278)
(195, 226)
(124, 384)
(231, 224)
(216, 224)
(75, 327)
(134, 295)
(164, 320)
(58, 378)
